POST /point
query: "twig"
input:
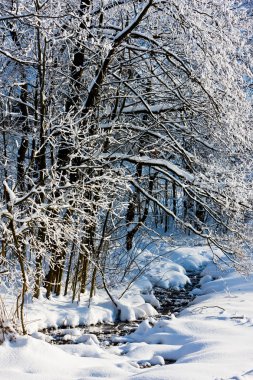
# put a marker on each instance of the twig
(201, 308)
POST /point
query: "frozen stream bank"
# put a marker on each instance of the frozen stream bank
(171, 302)
(210, 339)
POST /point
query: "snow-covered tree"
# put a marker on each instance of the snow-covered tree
(111, 110)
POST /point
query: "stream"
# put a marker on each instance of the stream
(171, 302)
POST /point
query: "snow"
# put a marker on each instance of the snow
(11, 194)
(189, 260)
(60, 311)
(210, 340)
(166, 270)
(146, 160)
(28, 358)
(169, 269)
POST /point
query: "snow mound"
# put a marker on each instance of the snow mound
(129, 312)
(169, 267)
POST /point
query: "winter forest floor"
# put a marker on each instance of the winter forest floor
(211, 339)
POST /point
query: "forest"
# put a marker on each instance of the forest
(123, 123)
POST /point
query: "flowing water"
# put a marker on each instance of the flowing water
(171, 302)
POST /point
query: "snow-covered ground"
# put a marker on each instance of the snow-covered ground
(167, 269)
(211, 339)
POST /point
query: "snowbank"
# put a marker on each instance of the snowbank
(168, 270)
(29, 358)
(210, 340)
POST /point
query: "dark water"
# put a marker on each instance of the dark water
(173, 301)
